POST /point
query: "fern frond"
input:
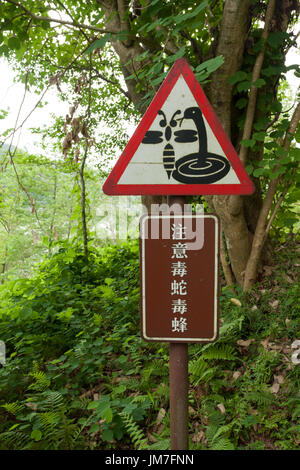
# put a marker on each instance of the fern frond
(232, 326)
(200, 371)
(135, 433)
(215, 434)
(296, 412)
(261, 397)
(164, 444)
(49, 418)
(54, 400)
(41, 381)
(13, 408)
(216, 419)
(16, 440)
(131, 384)
(58, 432)
(157, 367)
(140, 398)
(221, 430)
(197, 367)
(222, 444)
(162, 391)
(135, 356)
(220, 352)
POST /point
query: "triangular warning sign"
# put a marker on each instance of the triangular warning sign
(179, 147)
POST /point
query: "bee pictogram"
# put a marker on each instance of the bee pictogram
(199, 167)
(156, 137)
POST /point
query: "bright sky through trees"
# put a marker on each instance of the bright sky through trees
(11, 95)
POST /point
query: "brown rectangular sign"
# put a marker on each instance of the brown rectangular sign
(179, 277)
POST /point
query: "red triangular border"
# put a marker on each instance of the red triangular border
(111, 186)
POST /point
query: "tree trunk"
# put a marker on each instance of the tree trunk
(231, 210)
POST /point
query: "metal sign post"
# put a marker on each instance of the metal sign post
(179, 385)
(178, 379)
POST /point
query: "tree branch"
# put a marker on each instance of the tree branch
(69, 14)
(255, 76)
(226, 267)
(63, 22)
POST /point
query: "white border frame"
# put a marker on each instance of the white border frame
(145, 218)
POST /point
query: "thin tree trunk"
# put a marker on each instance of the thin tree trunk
(53, 214)
(82, 166)
(261, 231)
(251, 107)
(83, 207)
(231, 45)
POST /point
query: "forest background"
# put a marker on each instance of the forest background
(76, 374)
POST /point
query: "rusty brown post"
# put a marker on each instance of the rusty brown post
(179, 384)
(178, 379)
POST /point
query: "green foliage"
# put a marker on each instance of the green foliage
(136, 435)
(216, 433)
(71, 347)
(78, 375)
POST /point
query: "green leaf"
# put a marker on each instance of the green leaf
(210, 65)
(258, 172)
(237, 77)
(36, 435)
(272, 70)
(281, 152)
(14, 426)
(248, 142)
(98, 17)
(99, 43)
(259, 136)
(190, 14)
(92, 405)
(262, 122)
(259, 83)
(94, 428)
(289, 222)
(244, 86)
(158, 80)
(107, 291)
(249, 169)
(241, 103)
(107, 414)
(276, 107)
(295, 153)
(46, 25)
(176, 56)
(107, 435)
(275, 40)
(14, 43)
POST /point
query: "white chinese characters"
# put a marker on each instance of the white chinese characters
(179, 284)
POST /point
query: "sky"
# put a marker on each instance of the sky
(11, 95)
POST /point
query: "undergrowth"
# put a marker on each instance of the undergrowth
(78, 376)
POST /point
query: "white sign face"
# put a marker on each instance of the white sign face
(179, 147)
